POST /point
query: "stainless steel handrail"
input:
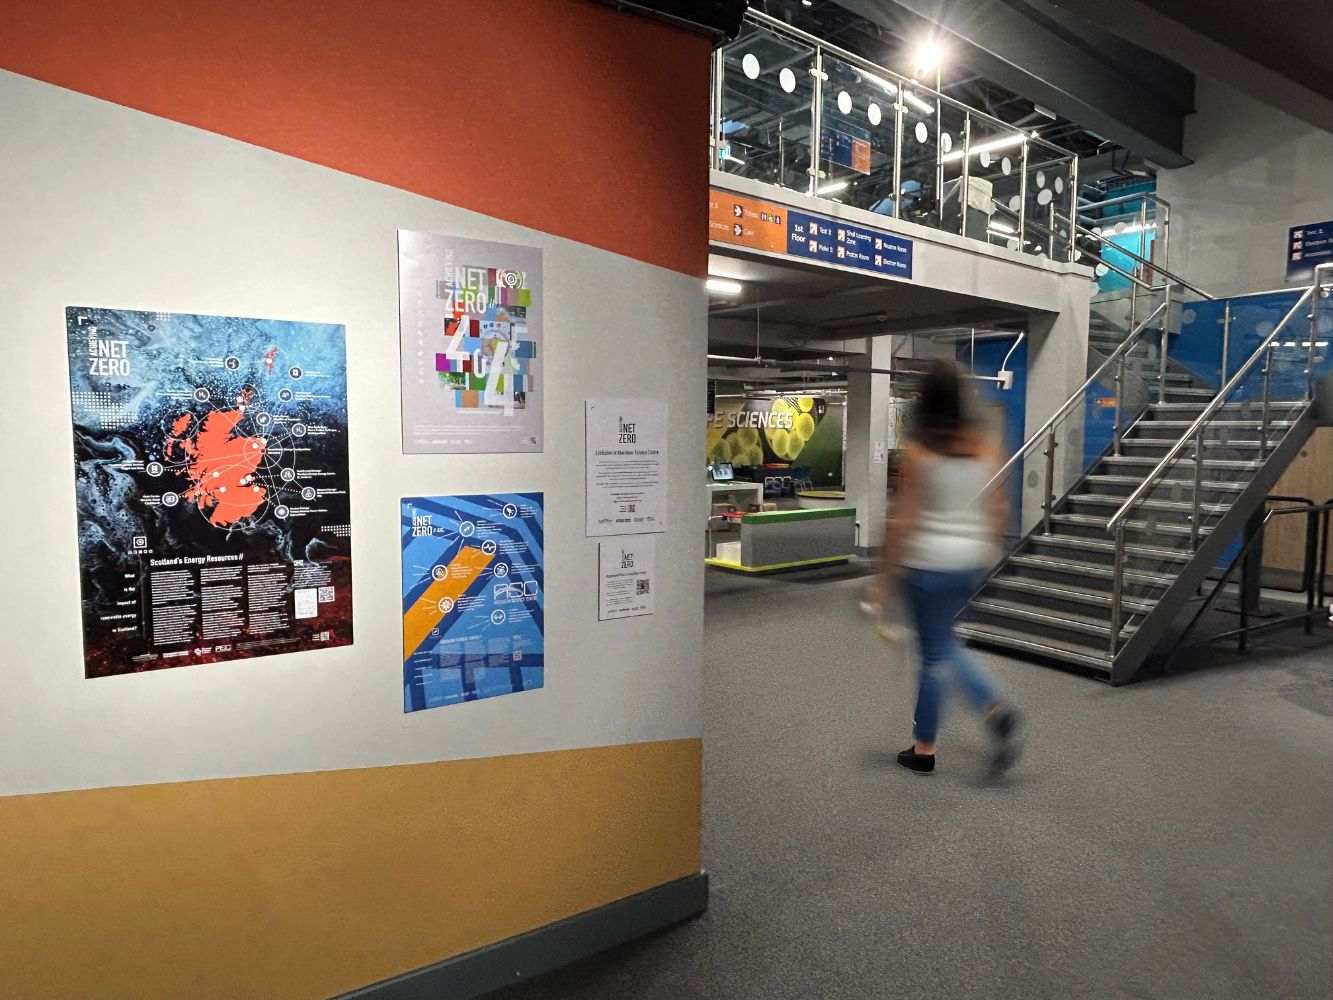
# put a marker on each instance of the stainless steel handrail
(1122, 199)
(897, 79)
(1173, 279)
(1213, 406)
(1077, 397)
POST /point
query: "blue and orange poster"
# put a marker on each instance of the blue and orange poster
(473, 597)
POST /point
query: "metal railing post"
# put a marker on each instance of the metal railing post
(966, 176)
(898, 109)
(1314, 331)
(1165, 344)
(1073, 207)
(1163, 213)
(1117, 587)
(1119, 396)
(1143, 235)
(1050, 228)
(1048, 504)
(719, 68)
(817, 122)
(1198, 490)
(1263, 411)
(1023, 197)
(1226, 341)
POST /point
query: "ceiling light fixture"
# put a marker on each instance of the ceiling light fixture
(925, 107)
(1003, 142)
(832, 188)
(723, 286)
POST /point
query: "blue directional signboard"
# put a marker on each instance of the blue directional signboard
(1307, 246)
(848, 245)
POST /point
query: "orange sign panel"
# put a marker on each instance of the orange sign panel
(746, 222)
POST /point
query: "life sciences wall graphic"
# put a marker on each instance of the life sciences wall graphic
(473, 599)
(470, 325)
(797, 430)
(211, 487)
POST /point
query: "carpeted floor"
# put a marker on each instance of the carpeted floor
(1172, 839)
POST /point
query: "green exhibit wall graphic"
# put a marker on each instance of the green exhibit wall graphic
(803, 431)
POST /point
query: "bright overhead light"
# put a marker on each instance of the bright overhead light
(1003, 142)
(724, 286)
(1003, 228)
(733, 158)
(929, 56)
(808, 3)
(832, 188)
(926, 107)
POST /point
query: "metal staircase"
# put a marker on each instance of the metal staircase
(1130, 495)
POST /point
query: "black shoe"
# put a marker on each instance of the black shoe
(921, 763)
(1003, 724)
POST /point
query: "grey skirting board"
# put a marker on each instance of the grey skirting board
(518, 958)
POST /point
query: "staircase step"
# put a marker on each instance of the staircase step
(1147, 462)
(1110, 479)
(1082, 624)
(1095, 521)
(1113, 503)
(1066, 592)
(988, 634)
(1098, 571)
(1132, 551)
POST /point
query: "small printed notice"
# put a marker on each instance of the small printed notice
(627, 585)
(626, 466)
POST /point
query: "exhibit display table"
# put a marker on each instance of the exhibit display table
(717, 491)
(778, 540)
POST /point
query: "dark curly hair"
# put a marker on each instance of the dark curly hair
(941, 414)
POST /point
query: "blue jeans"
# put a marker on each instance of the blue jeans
(935, 598)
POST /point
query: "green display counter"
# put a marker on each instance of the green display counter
(779, 540)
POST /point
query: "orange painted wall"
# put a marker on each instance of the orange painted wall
(563, 115)
(302, 886)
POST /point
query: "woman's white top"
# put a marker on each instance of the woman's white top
(952, 529)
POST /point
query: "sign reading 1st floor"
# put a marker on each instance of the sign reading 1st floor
(760, 225)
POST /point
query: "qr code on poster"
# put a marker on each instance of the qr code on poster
(641, 587)
(325, 594)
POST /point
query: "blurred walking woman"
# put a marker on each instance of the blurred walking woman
(941, 542)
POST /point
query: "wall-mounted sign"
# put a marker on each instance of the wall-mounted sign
(846, 150)
(626, 466)
(473, 597)
(758, 225)
(471, 345)
(848, 245)
(1307, 246)
(627, 578)
(211, 487)
(746, 222)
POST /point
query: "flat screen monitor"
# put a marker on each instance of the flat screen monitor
(722, 472)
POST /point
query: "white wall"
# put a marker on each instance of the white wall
(1258, 172)
(102, 205)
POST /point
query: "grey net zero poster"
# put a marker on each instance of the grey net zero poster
(626, 466)
(470, 327)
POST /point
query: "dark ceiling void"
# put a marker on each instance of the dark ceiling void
(1114, 90)
(1278, 53)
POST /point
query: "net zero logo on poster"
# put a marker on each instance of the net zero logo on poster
(473, 598)
(626, 466)
(211, 487)
(470, 327)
